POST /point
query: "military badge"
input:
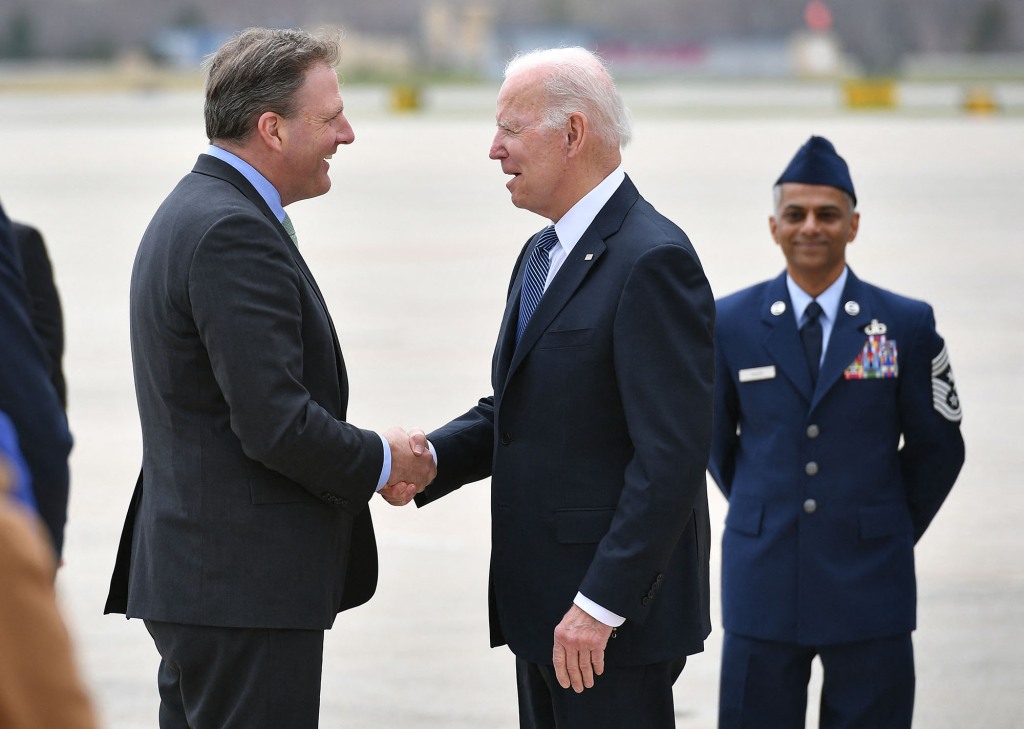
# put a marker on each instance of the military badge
(877, 359)
(944, 397)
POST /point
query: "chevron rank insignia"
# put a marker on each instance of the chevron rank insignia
(944, 397)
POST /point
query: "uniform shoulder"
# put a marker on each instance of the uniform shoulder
(742, 300)
(899, 302)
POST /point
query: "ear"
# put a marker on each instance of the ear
(854, 226)
(270, 128)
(576, 133)
(772, 226)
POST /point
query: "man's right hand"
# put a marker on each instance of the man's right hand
(412, 466)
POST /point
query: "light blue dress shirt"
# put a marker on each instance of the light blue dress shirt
(828, 300)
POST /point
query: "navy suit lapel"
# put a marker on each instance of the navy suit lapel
(782, 342)
(506, 347)
(584, 256)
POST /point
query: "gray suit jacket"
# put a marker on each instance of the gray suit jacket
(251, 508)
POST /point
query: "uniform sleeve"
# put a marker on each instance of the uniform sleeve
(933, 447)
(724, 439)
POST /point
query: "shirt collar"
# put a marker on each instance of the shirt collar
(575, 222)
(263, 186)
(828, 299)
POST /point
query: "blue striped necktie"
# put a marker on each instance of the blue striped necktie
(536, 275)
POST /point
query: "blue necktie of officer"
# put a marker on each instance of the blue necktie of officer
(811, 335)
(536, 274)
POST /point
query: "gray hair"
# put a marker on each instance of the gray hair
(260, 70)
(579, 81)
(777, 198)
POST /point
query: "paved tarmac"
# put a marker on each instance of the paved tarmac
(413, 248)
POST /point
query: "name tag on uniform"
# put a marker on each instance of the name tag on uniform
(753, 374)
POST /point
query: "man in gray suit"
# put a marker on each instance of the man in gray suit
(249, 529)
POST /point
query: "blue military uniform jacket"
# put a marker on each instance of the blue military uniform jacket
(829, 487)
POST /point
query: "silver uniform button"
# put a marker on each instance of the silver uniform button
(813, 431)
(811, 469)
(810, 506)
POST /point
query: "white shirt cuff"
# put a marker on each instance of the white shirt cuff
(597, 612)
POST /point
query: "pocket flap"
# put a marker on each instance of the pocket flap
(565, 338)
(745, 516)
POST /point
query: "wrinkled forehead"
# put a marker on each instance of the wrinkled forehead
(522, 89)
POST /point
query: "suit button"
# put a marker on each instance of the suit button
(506, 438)
(811, 469)
(810, 506)
(813, 431)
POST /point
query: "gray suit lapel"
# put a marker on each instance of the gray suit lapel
(213, 167)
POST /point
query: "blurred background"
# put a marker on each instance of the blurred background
(471, 39)
(101, 114)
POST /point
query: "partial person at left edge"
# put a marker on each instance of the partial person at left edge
(40, 684)
(249, 529)
(28, 394)
(45, 308)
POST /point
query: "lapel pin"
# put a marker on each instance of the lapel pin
(852, 308)
(588, 257)
(778, 308)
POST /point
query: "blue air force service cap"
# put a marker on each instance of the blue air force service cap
(817, 163)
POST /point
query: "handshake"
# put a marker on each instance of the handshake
(412, 466)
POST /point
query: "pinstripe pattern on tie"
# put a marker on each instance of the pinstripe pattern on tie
(536, 275)
(290, 229)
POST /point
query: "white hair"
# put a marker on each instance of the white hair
(578, 81)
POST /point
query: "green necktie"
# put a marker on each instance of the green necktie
(290, 229)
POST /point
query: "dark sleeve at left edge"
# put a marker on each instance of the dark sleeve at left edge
(29, 399)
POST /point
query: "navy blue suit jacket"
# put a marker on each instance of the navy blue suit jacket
(829, 487)
(45, 308)
(596, 438)
(251, 509)
(27, 394)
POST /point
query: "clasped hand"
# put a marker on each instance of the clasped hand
(412, 466)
